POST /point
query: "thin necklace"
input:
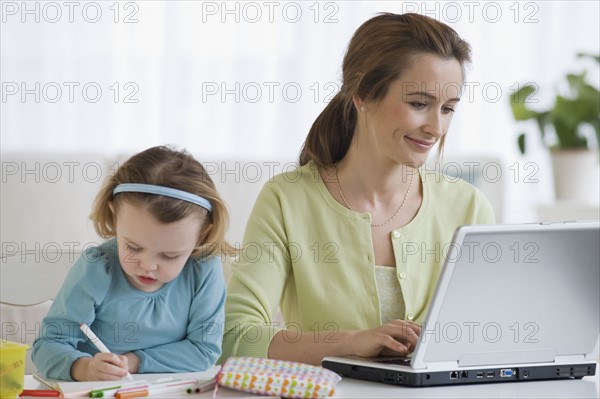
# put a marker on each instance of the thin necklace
(337, 181)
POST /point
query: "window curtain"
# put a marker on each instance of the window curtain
(245, 80)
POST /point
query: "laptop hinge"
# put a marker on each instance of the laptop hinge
(508, 357)
(570, 359)
(442, 366)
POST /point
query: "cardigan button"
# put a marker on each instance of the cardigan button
(396, 234)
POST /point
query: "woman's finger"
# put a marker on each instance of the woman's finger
(393, 347)
(402, 332)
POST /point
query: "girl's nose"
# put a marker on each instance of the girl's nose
(148, 264)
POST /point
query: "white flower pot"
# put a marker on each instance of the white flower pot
(576, 175)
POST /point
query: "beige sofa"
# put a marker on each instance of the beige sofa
(45, 201)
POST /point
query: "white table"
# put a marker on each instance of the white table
(588, 387)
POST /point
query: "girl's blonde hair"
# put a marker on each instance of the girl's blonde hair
(168, 167)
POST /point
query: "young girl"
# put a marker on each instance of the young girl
(154, 292)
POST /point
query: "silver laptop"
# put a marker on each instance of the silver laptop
(513, 303)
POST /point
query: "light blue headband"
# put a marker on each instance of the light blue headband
(161, 190)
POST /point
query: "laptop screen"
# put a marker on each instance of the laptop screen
(512, 293)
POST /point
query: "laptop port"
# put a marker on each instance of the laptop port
(525, 373)
(464, 374)
(453, 375)
(506, 373)
(490, 374)
(389, 377)
(480, 374)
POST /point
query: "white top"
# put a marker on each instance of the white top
(391, 301)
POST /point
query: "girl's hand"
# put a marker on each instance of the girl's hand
(133, 362)
(101, 367)
(396, 338)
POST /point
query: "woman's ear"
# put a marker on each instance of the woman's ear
(358, 104)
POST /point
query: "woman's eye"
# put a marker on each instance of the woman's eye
(448, 110)
(418, 105)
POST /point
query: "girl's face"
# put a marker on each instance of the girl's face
(416, 111)
(152, 253)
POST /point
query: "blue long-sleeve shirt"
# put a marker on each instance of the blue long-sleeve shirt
(177, 328)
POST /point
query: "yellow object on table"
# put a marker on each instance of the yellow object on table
(12, 368)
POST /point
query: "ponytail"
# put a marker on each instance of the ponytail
(331, 133)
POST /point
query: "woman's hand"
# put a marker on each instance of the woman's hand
(396, 338)
(101, 367)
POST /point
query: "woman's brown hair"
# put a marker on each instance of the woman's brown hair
(381, 49)
(168, 167)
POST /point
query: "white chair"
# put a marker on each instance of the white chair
(28, 284)
(21, 323)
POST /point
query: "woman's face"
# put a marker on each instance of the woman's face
(416, 111)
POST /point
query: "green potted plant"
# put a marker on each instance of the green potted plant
(574, 161)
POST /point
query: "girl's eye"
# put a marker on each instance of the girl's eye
(131, 248)
(166, 257)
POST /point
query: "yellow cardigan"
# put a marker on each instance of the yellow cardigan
(310, 255)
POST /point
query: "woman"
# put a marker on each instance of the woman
(352, 245)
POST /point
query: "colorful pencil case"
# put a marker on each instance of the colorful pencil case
(277, 378)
